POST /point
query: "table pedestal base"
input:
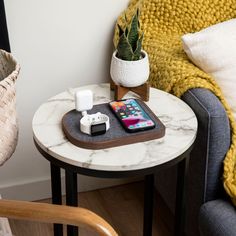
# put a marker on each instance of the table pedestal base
(56, 194)
(148, 204)
(71, 198)
(180, 205)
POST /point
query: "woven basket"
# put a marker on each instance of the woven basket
(9, 70)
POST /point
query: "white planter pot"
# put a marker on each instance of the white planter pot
(129, 73)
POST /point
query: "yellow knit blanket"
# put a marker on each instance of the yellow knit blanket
(163, 23)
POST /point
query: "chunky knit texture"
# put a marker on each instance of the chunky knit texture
(163, 23)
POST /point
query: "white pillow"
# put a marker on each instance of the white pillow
(214, 51)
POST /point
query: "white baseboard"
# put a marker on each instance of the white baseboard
(41, 188)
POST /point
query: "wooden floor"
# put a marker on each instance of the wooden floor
(121, 206)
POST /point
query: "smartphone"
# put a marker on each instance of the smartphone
(131, 115)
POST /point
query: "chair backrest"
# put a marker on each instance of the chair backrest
(49, 213)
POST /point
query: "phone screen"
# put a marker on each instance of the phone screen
(131, 115)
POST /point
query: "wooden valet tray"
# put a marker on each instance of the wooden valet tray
(115, 136)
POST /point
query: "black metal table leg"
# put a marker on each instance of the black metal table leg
(148, 204)
(180, 205)
(56, 194)
(71, 198)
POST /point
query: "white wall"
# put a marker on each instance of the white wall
(59, 44)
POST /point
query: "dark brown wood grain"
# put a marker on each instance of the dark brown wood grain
(120, 91)
(140, 136)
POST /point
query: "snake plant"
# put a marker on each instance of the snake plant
(130, 42)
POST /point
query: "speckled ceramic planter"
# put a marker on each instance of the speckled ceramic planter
(129, 73)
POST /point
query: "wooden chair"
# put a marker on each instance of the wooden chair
(49, 213)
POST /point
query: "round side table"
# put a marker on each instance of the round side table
(137, 159)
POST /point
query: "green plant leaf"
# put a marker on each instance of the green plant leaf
(137, 52)
(126, 20)
(126, 32)
(124, 49)
(138, 12)
(120, 30)
(133, 34)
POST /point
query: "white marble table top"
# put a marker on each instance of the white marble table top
(179, 119)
